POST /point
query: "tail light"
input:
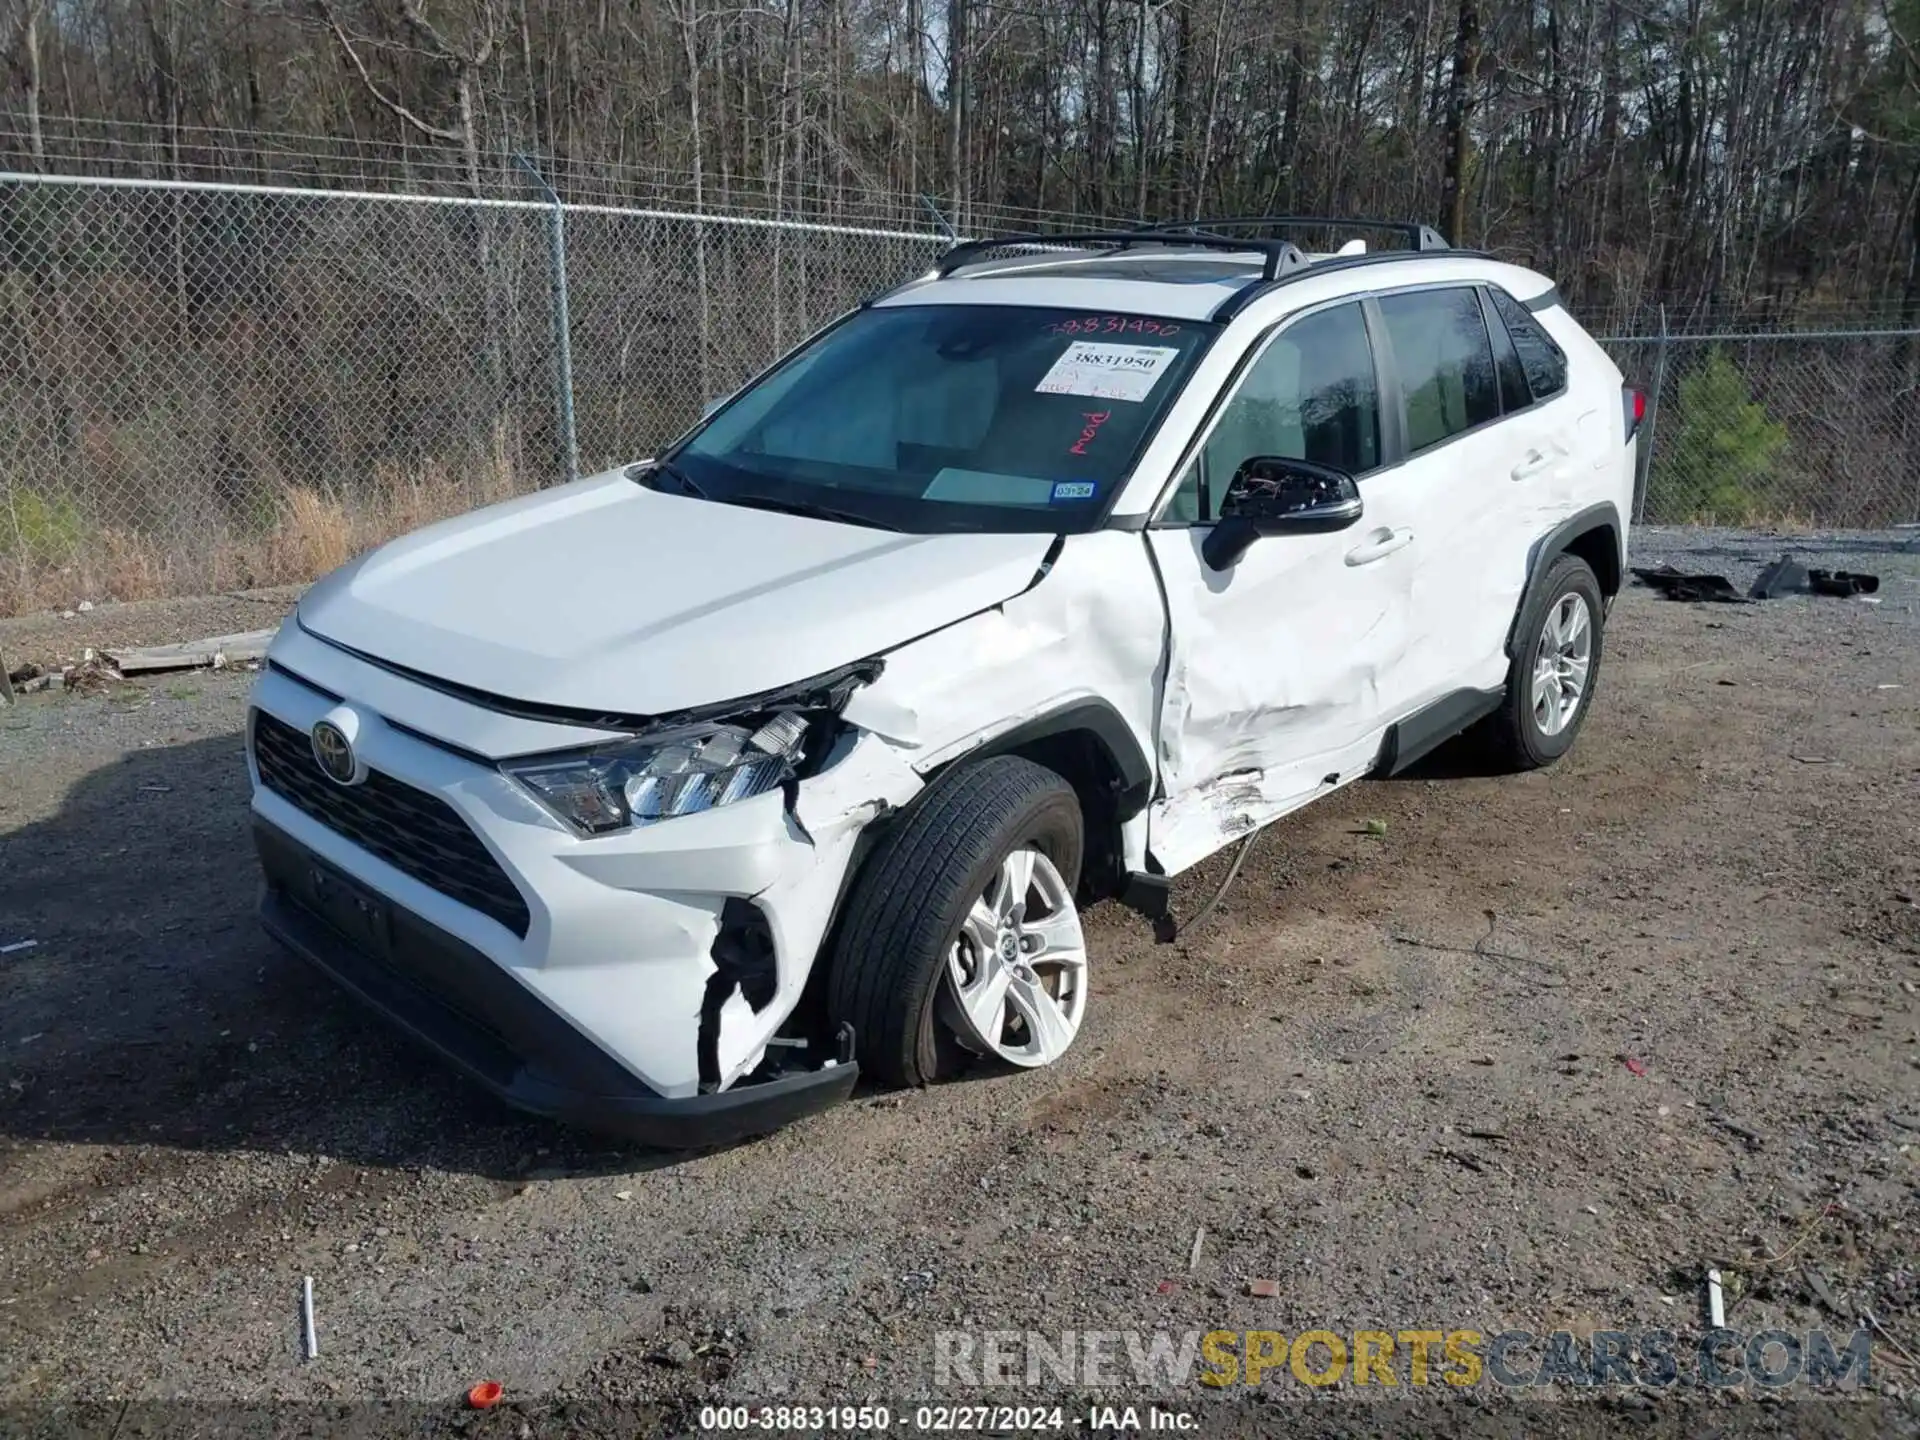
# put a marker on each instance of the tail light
(1633, 407)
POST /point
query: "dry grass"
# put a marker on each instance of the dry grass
(313, 533)
(1775, 519)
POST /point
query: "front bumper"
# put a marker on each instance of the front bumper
(615, 934)
(453, 999)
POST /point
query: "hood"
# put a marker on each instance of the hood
(604, 595)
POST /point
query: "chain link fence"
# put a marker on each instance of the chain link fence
(206, 387)
(1808, 428)
(210, 386)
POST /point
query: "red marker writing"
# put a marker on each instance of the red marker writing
(1095, 419)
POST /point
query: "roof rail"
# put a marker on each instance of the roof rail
(1281, 256)
(1418, 236)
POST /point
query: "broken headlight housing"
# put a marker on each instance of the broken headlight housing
(676, 772)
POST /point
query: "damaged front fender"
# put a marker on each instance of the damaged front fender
(1087, 640)
(754, 987)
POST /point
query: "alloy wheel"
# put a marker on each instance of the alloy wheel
(1562, 660)
(1017, 971)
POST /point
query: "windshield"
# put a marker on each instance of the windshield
(931, 418)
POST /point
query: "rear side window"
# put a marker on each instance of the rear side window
(1543, 361)
(1514, 393)
(1445, 358)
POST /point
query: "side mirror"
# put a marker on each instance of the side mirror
(1275, 495)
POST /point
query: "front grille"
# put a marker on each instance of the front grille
(417, 833)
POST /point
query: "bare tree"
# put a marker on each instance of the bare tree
(24, 52)
(467, 63)
(1466, 59)
(1719, 152)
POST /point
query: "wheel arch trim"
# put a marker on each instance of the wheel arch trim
(1101, 723)
(1603, 517)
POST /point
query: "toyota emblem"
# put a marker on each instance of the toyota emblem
(333, 753)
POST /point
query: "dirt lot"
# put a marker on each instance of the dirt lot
(1391, 1073)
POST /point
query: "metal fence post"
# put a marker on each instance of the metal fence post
(1653, 418)
(562, 327)
(940, 219)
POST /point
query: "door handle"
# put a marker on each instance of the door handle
(1538, 459)
(1380, 544)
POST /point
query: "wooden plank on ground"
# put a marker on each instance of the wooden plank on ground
(193, 654)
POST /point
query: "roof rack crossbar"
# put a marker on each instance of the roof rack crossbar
(1254, 289)
(1279, 256)
(1418, 236)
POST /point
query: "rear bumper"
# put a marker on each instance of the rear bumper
(469, 1010)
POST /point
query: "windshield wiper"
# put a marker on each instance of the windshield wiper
(679, 477)
(808, 509)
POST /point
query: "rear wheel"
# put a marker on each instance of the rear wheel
(961, 937)
(1551, 678)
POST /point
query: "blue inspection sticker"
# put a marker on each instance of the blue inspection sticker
(1072, 490)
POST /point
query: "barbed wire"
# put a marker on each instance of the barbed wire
(83, 145)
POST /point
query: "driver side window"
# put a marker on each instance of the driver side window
(1310, 395)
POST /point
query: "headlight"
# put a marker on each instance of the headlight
(678, 772)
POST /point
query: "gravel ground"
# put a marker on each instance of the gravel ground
(1390, 1073)
(60, 637)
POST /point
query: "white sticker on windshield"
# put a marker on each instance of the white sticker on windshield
(1107, 372)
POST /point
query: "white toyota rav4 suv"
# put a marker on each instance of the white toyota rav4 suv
(668, 801)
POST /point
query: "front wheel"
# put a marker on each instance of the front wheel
(1551, 678)
(961, 937)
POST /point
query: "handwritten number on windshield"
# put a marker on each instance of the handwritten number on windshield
(1112, 325)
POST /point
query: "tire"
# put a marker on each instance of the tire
(1520, 738)
(904, 914)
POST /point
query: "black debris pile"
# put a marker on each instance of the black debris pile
(1785, 576)
(1678, 585)
(1844, 583)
